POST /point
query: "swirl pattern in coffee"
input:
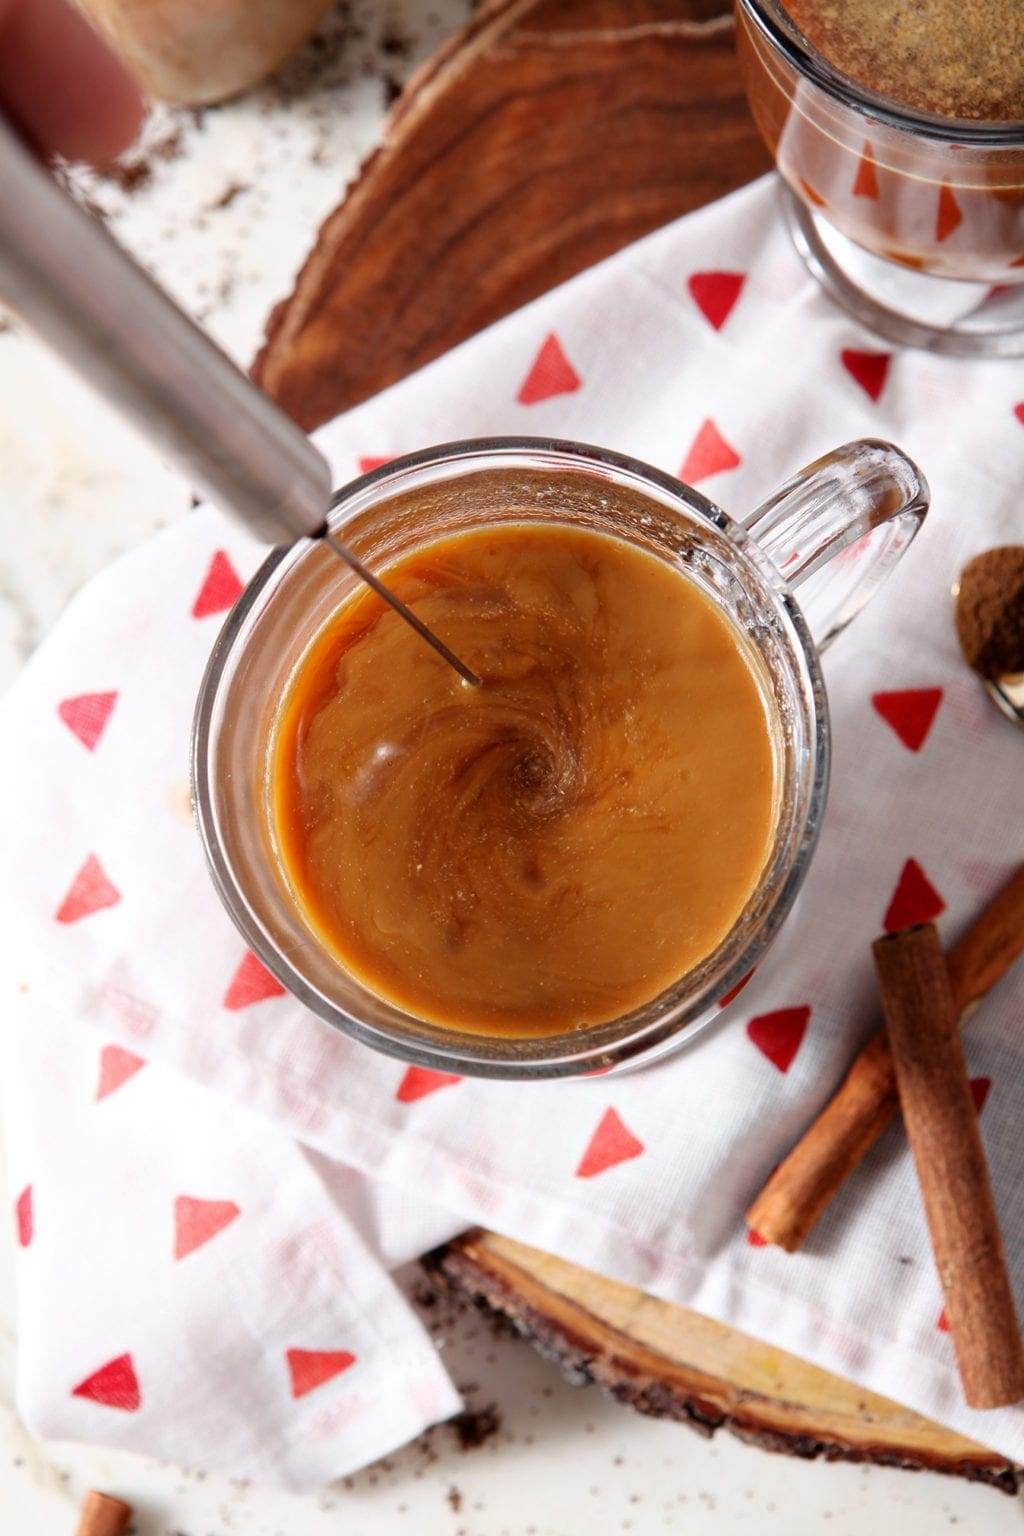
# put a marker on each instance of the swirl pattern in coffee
(558, 846)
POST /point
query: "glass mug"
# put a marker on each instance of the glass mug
(839, 526)
(906, 219)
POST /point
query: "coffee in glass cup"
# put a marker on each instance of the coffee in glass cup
(898, 132)
(568, 868)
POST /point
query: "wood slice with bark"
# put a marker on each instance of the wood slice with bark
(669, 1362)
(544, 136)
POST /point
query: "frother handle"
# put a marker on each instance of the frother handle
(70, 281)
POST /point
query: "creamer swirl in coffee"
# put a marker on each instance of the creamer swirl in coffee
(558, 846)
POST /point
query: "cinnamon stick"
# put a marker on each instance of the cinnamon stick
(942, 1127)
(804, 1182)
(103, 1515)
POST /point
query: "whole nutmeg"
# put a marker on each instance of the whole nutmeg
(990, 611)
(195, 51)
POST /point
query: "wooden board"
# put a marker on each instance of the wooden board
(543, 137)
(670, 1362)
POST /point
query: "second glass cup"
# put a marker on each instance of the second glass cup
(909, 220)
(838, 526)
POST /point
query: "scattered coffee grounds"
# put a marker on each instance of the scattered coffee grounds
(990, 611)
(129, 175)
(231, 191)
(395, 45)
(454, 1497)
(475, 1427)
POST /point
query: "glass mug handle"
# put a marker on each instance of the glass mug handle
(842, 524)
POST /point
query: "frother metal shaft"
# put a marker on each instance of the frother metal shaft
(70, 281)
(72, 284)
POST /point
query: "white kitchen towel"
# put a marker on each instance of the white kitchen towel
(203, 1274)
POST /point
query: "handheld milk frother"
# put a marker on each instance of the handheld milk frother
(71, 282)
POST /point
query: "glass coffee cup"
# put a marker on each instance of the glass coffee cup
(912, 222)
(836, 529)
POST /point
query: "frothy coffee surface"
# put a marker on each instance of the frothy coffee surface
(956, 58)
(553, 848)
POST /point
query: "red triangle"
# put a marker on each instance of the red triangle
(715, 294)
(709, 454)
(779, 1035)
(551, 374)
(865, 183)
(869, 369)
(115, 1385)
(979, 1091)
(811, 195)
(1018, 411)
(86, 715)
(915, 899)
(948, 215)
(418, 1082)
(310, 1368)
(734, 992)
(367, 464)
(116, 1066)
(610, 1144)
(942, 1322)
(755, 1239)
(196, 1221)
(220, 590)
(90, 892)
(910, 712)
(251, 983)
(23, 1216)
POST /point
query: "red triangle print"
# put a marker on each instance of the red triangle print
(755, 1239)
(196, 1221)
(220, 590)
(251, 983)
(942, 1322)
(418, 1082)
(612, 1143)
(709, 454)
(368, 464)
(114, 1385)
(910, 712)
(90, 892)
(869, 369)
(811, 195)
(948, 215)
(551, 374)
(865, 183)
(915, 899)
(23, 1216)
(116, 1066)
(715, 294)
(979, 1091)
(1018, 411)
(734, 992)
(86, 715)
(779, 1035)
(310, 1368)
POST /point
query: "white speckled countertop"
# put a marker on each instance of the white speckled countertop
(223, 208)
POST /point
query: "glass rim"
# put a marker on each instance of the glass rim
(784, 35)
(570, 1054)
